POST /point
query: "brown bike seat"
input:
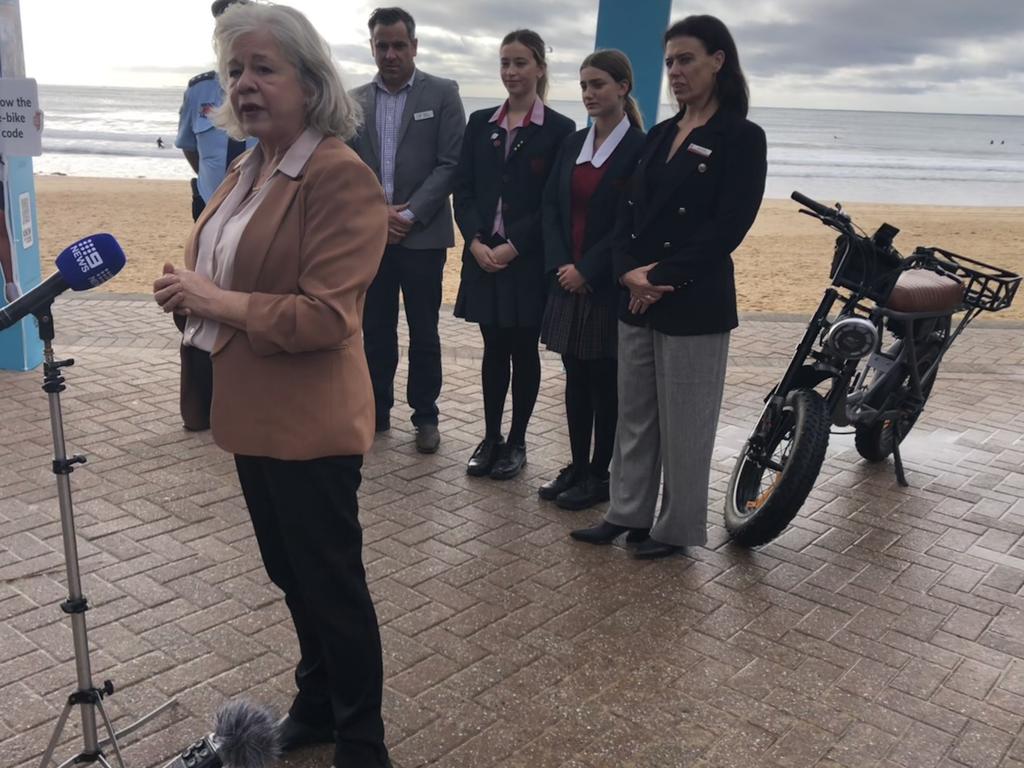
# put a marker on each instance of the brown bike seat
(921, 290)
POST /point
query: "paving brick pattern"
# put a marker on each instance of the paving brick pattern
(884, 628)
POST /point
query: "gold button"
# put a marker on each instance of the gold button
(632, 235)
(666, 244)
(702, 167)
(682, 211)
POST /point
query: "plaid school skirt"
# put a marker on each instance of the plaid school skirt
(577, 326)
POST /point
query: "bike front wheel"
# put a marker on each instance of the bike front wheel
(777, 468)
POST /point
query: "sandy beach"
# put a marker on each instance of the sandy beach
(781, 267)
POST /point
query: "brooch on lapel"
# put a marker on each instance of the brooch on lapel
(697, 149)
(702, 168)
(495, 139)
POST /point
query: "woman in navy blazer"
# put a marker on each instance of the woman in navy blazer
(507, 154)
(696, 191)
(583, 194)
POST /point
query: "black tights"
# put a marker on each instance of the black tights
(591, 405)
(510, 353)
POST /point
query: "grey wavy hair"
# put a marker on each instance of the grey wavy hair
(329, 109)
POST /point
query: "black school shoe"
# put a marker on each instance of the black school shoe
(563, 482)
(483, 458)
(590, 491)
(510, 462)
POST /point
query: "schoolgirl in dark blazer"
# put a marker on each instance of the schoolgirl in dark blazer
(507, 154)
(582, 197)
(695, 193)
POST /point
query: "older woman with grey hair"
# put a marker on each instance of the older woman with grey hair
(276, 272)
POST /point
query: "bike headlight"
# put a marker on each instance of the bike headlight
(852, 338)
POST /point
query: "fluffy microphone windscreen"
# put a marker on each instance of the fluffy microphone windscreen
(246, 735)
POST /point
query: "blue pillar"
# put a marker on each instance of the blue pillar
(635, 27)
(20, 347)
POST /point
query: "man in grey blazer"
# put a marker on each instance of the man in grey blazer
(411, 137)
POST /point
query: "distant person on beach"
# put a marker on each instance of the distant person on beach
(581, 200)
(207, 148)
(411, 135)
(159, 142)
(275, 275)
(695, 192)
(209, 151)
(507, 154)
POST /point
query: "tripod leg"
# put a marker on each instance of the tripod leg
(138, 723)
(57, 731)
(110, 730)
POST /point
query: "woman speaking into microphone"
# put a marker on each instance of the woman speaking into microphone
(276, 272)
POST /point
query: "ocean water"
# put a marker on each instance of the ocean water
(849, 156)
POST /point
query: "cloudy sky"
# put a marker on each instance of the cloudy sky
(912, 55)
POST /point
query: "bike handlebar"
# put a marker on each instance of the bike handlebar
(814, 205)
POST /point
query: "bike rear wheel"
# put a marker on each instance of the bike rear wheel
(875, 442)
(769, 484)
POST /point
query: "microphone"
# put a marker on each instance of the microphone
(81, 266)
(244, 736)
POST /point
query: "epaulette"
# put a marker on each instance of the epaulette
(200, 78)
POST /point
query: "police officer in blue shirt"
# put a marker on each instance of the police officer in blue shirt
(207, 148)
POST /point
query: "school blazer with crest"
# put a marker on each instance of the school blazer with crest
(599, 232)
(295, 384)
(484, 175)
(691, 225)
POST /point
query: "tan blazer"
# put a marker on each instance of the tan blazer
(295, 385)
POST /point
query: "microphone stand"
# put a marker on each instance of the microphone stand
(87, 695)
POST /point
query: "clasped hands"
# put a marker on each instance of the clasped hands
(183, 291)
(642, 292)
(492, 259)
(398, 226)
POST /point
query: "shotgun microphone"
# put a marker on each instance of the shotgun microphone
(244, 736)
(81, 266)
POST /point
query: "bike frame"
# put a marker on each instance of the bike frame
(849, 404)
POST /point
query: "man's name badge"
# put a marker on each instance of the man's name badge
(697, 149)
(423, 115)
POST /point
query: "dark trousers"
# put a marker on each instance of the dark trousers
(591, 406)
(305, 514)
(198, 204)
(417, 273)
(196, 390)
(510, 354)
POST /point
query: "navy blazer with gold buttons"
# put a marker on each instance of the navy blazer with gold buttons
(691, 225)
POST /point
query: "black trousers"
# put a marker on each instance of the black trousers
(591, 406)
(417, 273)
(305, 514)
(196, 389)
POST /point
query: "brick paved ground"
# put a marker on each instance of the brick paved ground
(885, 627)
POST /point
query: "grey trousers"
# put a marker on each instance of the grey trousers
(670, 392)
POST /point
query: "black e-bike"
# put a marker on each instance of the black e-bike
(868, 359)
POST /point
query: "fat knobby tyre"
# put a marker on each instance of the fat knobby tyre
(761, 500)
